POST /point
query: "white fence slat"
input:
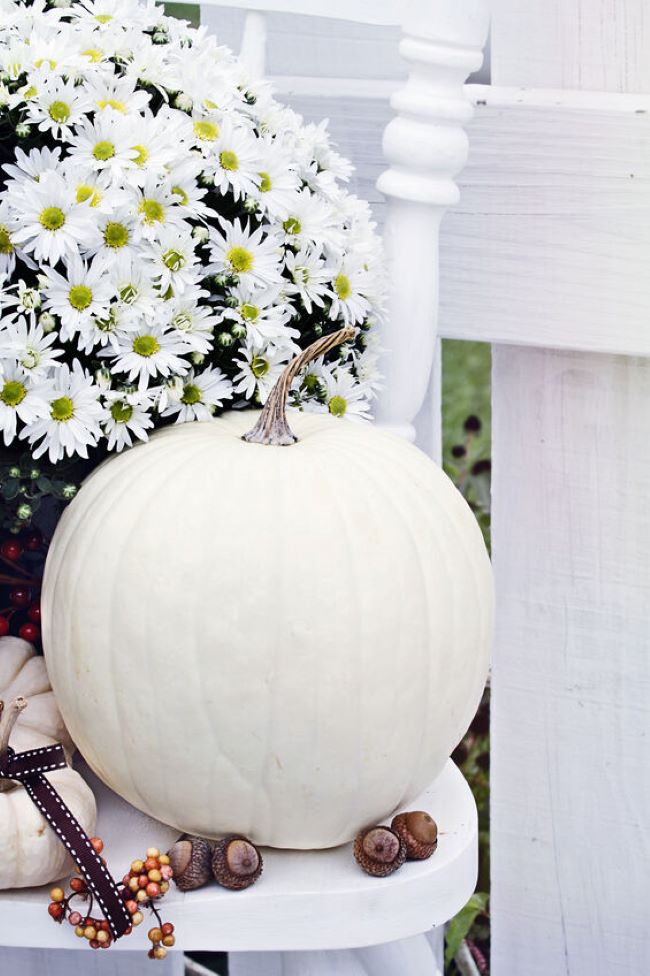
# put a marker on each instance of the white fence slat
(361, 11)
(601, 45)
(549, 244)
(571, 671)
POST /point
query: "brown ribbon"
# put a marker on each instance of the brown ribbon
(27, 768)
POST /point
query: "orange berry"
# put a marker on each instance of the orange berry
(150, 864)
(104, 925)
(155, 934)
(97, 844)
(137, 918)
(56, 910)
(168, 940)
(153, 889)
(167, 928)
(143, 880)
(131, 906)
(128, 930)
(58, 894)
(78, 885)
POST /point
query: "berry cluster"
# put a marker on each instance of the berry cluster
(147, 881)
(21, 560)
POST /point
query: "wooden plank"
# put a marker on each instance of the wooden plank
(600, 45)
(549, 244)
(63, 962)
(360, 11)
(571, 672)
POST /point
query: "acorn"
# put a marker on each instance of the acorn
(379, 851)
(236, 862)
(190, 860)
(419, 832)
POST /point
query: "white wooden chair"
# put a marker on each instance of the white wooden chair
(545, 257)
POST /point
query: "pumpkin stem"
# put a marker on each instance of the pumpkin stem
(8, 718)
(272, 426)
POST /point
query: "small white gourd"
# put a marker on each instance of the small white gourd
(30, 852)
(281, 641)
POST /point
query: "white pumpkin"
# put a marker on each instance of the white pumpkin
(30, 852)
(285, 642)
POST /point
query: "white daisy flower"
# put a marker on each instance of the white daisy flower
(278, 180)
(128, 416)
(7, 249)
(112, 235)
(155, 208)
(312, 220)
(72, 423)
(262, 315)
(201, 394)
(250, 255)
(102, 144)
(111, 91)
(19, 399)
(311, 276)
(259, 371)
(174, 260)
(48, 222)
(29, 167)
(82, 295)
(151, 351)
(30, 347)
(195, 321)
(58, 106)
(346, 397)
(349, 301)
(234, 161)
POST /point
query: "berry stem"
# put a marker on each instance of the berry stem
(8, 718)
(272, 427)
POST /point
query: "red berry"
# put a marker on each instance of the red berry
(167, 928)
(56, 910)
(34, 613)
(19, 596)
(128, 930)
(11, 549)
(4, 626)
(33, 541)
(143, 880)
(94, 944)
(74, 918)
(96, 842)
(78, 885)
(153, 889)
(29, 632)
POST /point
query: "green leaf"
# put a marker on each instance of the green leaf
(461, 924)
(10, 488)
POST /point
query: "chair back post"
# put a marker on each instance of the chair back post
(426, 147)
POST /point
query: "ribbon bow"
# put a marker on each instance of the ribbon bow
(28, 769)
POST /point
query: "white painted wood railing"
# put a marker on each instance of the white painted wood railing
(546, 258)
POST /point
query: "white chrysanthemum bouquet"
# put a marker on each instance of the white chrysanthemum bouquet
(170, 235)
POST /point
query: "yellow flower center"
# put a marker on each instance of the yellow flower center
(292, 225)
(103, 18)
(59, 112)
(174, 260)
(337, 406)
(239, 259)
(142, 155)
(39, 62)
(228, 160)
(179, 192)
(249, 312)
(205, 131)
(30, 92)
(80, 297)
(121, 412)
(265, 184)
(13, 392)
(116, 235)
(152, 211)
(103, 150)
(94, 54)
(128, 294)
(145, 346)
(112, 103)
(191, 395)
(85, 192)
(62, 409)
(52, 218)
(259, 366)
(6, 247)
(342, 286)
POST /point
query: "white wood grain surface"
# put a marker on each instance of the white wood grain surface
(571, 673)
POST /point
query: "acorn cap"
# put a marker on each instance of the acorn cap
(379, 851)
(236, 862)
(190, 860)
(419, 832)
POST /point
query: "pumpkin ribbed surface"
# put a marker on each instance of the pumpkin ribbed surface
(281, 642)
